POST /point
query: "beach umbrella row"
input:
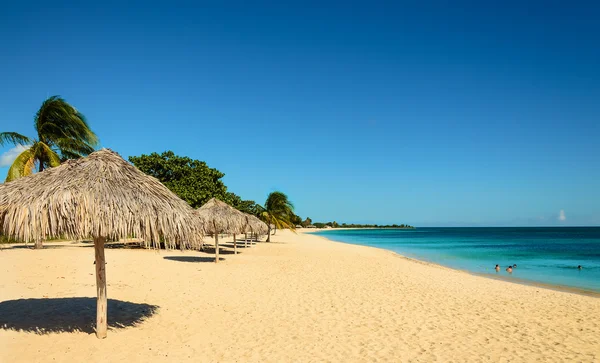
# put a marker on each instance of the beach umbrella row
(220, 217)
(102, 196)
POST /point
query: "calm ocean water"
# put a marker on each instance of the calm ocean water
(546, 255)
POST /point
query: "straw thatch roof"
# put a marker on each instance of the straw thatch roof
(256, 225)
(101, 195)
(220, 217)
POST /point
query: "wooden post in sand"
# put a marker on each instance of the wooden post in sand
(216, 247)
(101, 308)
(234, 245)
(246, 240)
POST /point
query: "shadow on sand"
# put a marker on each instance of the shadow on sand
(31, 246)
(70, 314)
(115, 245)
(192, 259)
(240, 245)
(222, 250)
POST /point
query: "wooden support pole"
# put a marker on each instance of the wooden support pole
(216, 247)
(101, 306)
(246, 240)
(234, 245)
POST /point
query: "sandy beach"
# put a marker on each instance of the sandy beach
(299, 298)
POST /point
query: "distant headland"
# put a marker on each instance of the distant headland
(308, 223)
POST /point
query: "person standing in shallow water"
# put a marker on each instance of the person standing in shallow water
(509, 269)
(497, 268)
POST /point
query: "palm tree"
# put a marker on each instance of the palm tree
(278, 210)
(62, 133)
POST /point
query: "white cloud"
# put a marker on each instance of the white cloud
(562, 216)
(9, 156)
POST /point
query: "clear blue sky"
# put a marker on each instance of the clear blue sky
(449, 113)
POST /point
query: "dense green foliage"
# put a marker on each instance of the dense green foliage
(246, 206)
(296, 220)
(307, 222)
(62, 133)
(344, 225)
(192, 180)
(278, 211)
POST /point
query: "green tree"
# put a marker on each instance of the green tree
(296, 220)
(62, 133)
(192, 180)
(307, 222)
(278, 211)
(246, 206)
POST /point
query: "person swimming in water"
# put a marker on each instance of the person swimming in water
(509, 269)
(497, 268)
(579, 267)
(515, 265)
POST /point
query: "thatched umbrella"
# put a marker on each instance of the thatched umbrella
(255, 225)
(220, 217)
(101, 196)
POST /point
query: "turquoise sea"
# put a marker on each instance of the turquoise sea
(543, 255)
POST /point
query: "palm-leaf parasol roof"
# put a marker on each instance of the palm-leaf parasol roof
(220, 217)
(256, 225)
(101, 195)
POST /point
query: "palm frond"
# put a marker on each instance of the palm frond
(73, 148)
(67, 155)
(29, 167)
(13, 138)
(278, 210)
(278, 201)
(47, 155)
(57, 119)
(22, 166)
(278, 204)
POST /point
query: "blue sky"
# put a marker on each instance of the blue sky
(469, 113)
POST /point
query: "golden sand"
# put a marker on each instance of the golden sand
(301, 298)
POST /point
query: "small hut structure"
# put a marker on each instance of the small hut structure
(220, 217)
(103, 197)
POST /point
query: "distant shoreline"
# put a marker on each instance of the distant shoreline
(349, 228)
